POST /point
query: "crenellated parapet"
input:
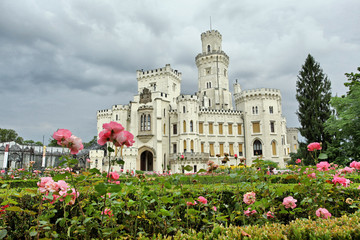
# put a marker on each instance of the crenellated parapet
(260, 92)
(217, 55)
(183, 98)
(105, 113)
(120, 107)
(158, 72)
(220, 111)
(211, 33)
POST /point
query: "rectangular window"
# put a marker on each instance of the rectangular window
(221, 149)
(212, 150)
(184, 126)
(271, 109)
(195, 168)
(231, 149)
(273, 145)
(174, 148)
(201, 128)
(240, 149)
(220, 128)
(272, 126)
(239, 128)
(164, 128)
(202, 147)
(256, 127)
(192, 145)
(295, 147)
(175, 128)
(230, 128)
(211, 129)
(184, 145)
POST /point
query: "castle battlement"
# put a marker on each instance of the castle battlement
(260, 92)
(187, 98)
(158, 72)
(219, 111)
(213, 33)
(120, 107)
(212, 53)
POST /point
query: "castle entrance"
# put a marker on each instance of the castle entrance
(146, 161)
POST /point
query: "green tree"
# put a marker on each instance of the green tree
(93, 142)
(344, 123)
(52, 143)
(313, 93)
(9, 135)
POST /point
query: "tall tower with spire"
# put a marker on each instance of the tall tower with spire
(212, 64)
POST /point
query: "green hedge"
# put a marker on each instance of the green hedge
(345, 227)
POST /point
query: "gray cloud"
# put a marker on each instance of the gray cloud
(62, 61)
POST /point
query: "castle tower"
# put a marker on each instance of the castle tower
(212, 66)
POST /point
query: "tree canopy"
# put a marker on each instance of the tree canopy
(344, 123)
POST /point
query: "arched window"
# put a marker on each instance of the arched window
(256, 110)
(273, 146)
(208, 48)
(149, 123)
(164, 128)
(191, 126)
(184, 145)
(192, 145)
(141, 123)
(257, 148)
(209, 103)
(184, 126)
(117, 117)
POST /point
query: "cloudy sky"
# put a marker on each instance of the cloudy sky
(61, 61)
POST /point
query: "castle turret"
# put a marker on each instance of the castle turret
(212, 66)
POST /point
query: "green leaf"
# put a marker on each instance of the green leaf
(33, 233)
(101, 188)
(95, 171)
(3, 233)
(165, 212)
(110, 149)
(61, 176)
(188, 168)
(323, 156)
(14, 209)
(120, 161)
(201, 170)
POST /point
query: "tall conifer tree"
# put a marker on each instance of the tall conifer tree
(313, 93)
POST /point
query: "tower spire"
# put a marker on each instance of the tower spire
(210, 23)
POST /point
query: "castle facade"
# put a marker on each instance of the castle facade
(203, 126)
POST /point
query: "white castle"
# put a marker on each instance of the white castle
(202, 127)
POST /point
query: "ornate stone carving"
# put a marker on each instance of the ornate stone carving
(145, 96)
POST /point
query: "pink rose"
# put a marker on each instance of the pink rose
(342, 181)
(110, 132)
(312, 175)
(235, 156)
(289, 202)
(323, 166)
(314, 146)
(74, 144)
(182, 156)
(3, 171)
(124, 138)
(298, 161)
(108, 212)
(249, 198)
(61, 135)
(202, 200)
(214, 208)
(191, 203)
(88, 160)
(323, 213)
(269, 215)
(249, 213)
(113, 176)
